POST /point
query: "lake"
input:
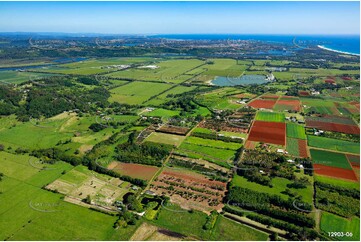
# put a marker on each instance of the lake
(243, 80)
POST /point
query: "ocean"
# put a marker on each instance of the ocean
(342, 43)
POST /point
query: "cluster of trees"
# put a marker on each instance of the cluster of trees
(88, 80)
(338, 200)
(50, 96)
(9, 100)
(271, 205)
(350, 192)
(253, 175)
(294, 230)
(211, 220)
(126, 218)
(270, 162)
(146, 153)
(184, 103)
(299, 183)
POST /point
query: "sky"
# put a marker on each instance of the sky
(182, 17)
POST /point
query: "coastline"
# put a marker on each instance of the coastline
(337, 51)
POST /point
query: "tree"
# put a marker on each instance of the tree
(87, 199)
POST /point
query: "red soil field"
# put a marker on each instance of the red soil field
(302, 148)
(346, 78)
(304, 93)
(262, 103)
(268, 132)
(269, 97)
(330, 81)
(250, 145)
(133, 170)
(335, 172)
(293, 104)
(342, 128)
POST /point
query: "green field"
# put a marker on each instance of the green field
(334, 223)
(215, 155)
(270, 117)
(137, 92)
(337, 182)
(279, 185)
(292, 146)
(165, 97)
(333, 144)
(163, 113)
(330, 159)
(228, 230)
(36, 213)
(212, 143)
(167, 71)
(178, 220)
(170, 139)
(93, 66)
(295, 131)
(219, 99)
(16, 77)
(321, 106)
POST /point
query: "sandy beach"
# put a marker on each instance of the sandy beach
(337, 51)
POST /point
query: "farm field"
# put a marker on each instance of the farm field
(212, 154)
(287, 104)
(161, 112)
(338, 182)
(39, 212)
(262, 103)
(171, 139)
(297, 147)
(295, 131)
(333, 223)
(181, 221)
(333, 144)
(270, 117)
(133, 170)
(137, 92)
(14, 77)
(212, 143)
(328, 158)
(341, 125)
(93, 66)
(332, 164)
(166, 96)
(229, 230)
(268, 132)
(168, 71)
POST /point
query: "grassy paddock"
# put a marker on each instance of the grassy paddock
(333, 144)
(270, 117)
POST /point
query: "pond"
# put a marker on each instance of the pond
(243, 80)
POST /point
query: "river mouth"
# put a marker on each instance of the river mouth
(246, 80)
